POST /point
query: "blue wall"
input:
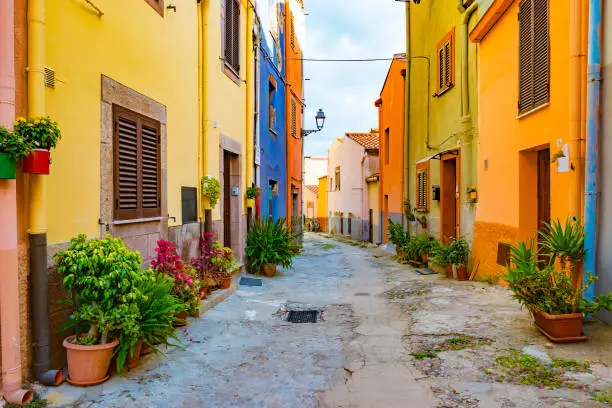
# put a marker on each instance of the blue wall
(273, 143)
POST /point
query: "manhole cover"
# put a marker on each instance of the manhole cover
(303, 316)
(362, 294)
(250, 282)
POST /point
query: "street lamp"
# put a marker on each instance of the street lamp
(320, 120)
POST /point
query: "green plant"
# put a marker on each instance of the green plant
(252, 191)
(14, 145)
(40, 133)
(423, 243)
(397, 235)
(211, 190)
(409, 211)
(565, 243)
(102, 275)
(441, 255)
(458, 252)
(270, 242)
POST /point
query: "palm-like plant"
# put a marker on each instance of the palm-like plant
(270, 242)
(563, 242)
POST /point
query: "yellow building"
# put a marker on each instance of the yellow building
(322, 203)
(441, 115)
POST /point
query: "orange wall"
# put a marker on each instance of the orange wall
(294, 89)
(507, 206)
(391, 116)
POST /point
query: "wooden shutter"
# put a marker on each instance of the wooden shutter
(441, 74)
(422, 199)
(292, 33)
(137, 166)
(534, 55)
(445, 62)
(293, 118)
(230, 28)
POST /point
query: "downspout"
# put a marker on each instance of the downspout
(460, 6)
(593, 134)
(38, 202)
(204, 4)
(407, 115)
(9, 284)
(200, 127)
(467, 150)
(575, 107)
(249, 95)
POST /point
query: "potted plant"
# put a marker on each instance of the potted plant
(12, 147)
(566, 245)
(186, 280)
(42, 134)
(101, 275)
(441, 257)
(557, 306)
(270, 244)
(225, 264)
(399, 238)
(216, 264)
(211, 190)
(251, 194)
(458, 255)
(472, 195)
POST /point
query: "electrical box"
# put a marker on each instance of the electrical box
(435, 193)
(235, 191)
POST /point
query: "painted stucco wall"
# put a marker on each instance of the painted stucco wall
(310, 203)
(322, 197)
(507, 208)
(439, 118)
(80, 48)
(604, 266)
(373, 204)
(314, 168)
(391, 114)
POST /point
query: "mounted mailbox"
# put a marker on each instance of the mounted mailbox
(435, 193)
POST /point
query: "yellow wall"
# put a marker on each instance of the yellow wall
(225, 101)
(322, 198)
(373, 201)
(132, 44)
(430, 22)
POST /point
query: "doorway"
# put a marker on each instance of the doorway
(371, 226)
(543, 188)
(385, 218)
(227, 199)
(449, 198)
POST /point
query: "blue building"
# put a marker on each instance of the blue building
(271, 125)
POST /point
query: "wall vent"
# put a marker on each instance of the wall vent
(49, 78)
(503, 253)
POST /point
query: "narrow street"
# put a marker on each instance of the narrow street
(377, 315)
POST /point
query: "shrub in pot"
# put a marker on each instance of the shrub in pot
(186, 280)
(399, 238)
(565, 244)
(419, 248)
(557, 306)
(458, 255)
(441, 257)
(211, 190)
(42, 134)
(270, 244)
(12, 147)
(102, 275)
(216, 263)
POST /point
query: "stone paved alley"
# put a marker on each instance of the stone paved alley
(389, 338)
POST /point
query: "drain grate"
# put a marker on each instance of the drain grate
(250, 282)
(303, 316)
(362, 294)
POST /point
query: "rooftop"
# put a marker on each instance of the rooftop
(370, 140)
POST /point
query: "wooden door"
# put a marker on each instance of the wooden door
(227, 200)
(448, 199)
(543, 188)
(371, 226)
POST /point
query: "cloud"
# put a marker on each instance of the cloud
(346, 91)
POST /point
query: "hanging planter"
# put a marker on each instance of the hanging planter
(211, 190)
(7, 167)
(37, 162)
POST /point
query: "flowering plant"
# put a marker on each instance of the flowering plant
(42, 133)
(14, 145)
(215, 261)
(211, 190)
(186, 281)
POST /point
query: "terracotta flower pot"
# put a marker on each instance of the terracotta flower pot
(424, 257)
(146, 349)
(181, 319)
(565, 328)
(462, 273)
(226, 283)
(269, 270)
(37, 162)
(7, 167)
(449, 271)
(134, 360)
(203, 292)
(88, 365)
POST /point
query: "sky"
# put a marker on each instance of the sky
(346, 91)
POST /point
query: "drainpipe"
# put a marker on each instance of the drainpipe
(460, 6)
(575, 107)
(407, 115)
(466, 114)
(200, 113)
(38, 202)
(593, 133)
(9, 284)
(204, 5)
(249, 96)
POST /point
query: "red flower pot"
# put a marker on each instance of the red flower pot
(37, 162)
(226, 283)
(565, 328)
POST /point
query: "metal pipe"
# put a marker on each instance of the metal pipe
(593, 134)
(575, 107)
(465, 42)
(249, 97)
(9, 284)
(460, 6)
(38, 205)
(407, 115)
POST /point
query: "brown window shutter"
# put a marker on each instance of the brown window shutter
(441, 74)
(293, 118)
(541, 58)
(236, 35)
(292, 33)
(150, 169)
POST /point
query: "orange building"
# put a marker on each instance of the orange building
(391, 116)
(294, 13)
(530, 83)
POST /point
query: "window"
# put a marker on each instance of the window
(231, 35)
(158, 5)
(271, 108)
(292, 33)
(137, 170)
(337, 178)
(534, 58)
(189, 204)
(294, 129)
(387, 147)
(445, 61)
(422, 190)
